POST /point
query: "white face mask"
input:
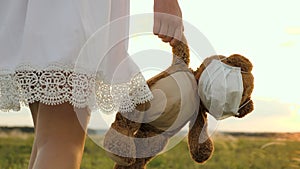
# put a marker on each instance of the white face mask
(220, 88)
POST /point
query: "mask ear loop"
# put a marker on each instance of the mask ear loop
(223, 59)
(243, 105)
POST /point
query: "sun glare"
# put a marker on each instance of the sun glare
(295, 117)
(295, 109)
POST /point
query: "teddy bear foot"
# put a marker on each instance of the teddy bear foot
(140, 163)
(202, 152)
(120, 148)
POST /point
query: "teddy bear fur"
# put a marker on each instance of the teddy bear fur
(120, 137)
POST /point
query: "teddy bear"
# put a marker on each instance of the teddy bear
(134, 138)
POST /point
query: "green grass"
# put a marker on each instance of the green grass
(241, 152)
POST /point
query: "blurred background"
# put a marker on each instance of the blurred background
(266, 32)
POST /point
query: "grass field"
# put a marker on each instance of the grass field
(232, 151)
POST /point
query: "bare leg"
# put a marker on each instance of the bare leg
(60, 137)
(34, 113)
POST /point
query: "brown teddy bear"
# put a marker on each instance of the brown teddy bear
(136, 137)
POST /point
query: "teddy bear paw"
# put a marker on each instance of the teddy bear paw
(119, 147)
(202, 152)
(139, 164)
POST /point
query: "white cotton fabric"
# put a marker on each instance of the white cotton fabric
(220, 89)
(55, 51)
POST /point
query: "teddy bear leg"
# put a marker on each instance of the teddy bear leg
(119, 142)
(200, 145)
(149, 142)
(140, 163)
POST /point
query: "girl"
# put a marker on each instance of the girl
(40, 45)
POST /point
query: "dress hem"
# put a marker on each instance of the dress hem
(58, 84)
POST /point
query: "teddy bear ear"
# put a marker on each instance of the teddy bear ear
(239, 61)
(247, 107)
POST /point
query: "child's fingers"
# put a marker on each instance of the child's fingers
(163, 30)
(170, 34)
(156, 25)
(177, 36)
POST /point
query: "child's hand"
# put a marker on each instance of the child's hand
(168, 21)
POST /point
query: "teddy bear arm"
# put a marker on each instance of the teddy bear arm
(200, 145)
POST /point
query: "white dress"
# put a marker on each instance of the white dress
(56, 51)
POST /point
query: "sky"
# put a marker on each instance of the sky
(267, 32)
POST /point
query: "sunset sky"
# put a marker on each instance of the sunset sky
(267, 32)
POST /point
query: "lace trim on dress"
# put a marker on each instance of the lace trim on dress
(57, 84)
